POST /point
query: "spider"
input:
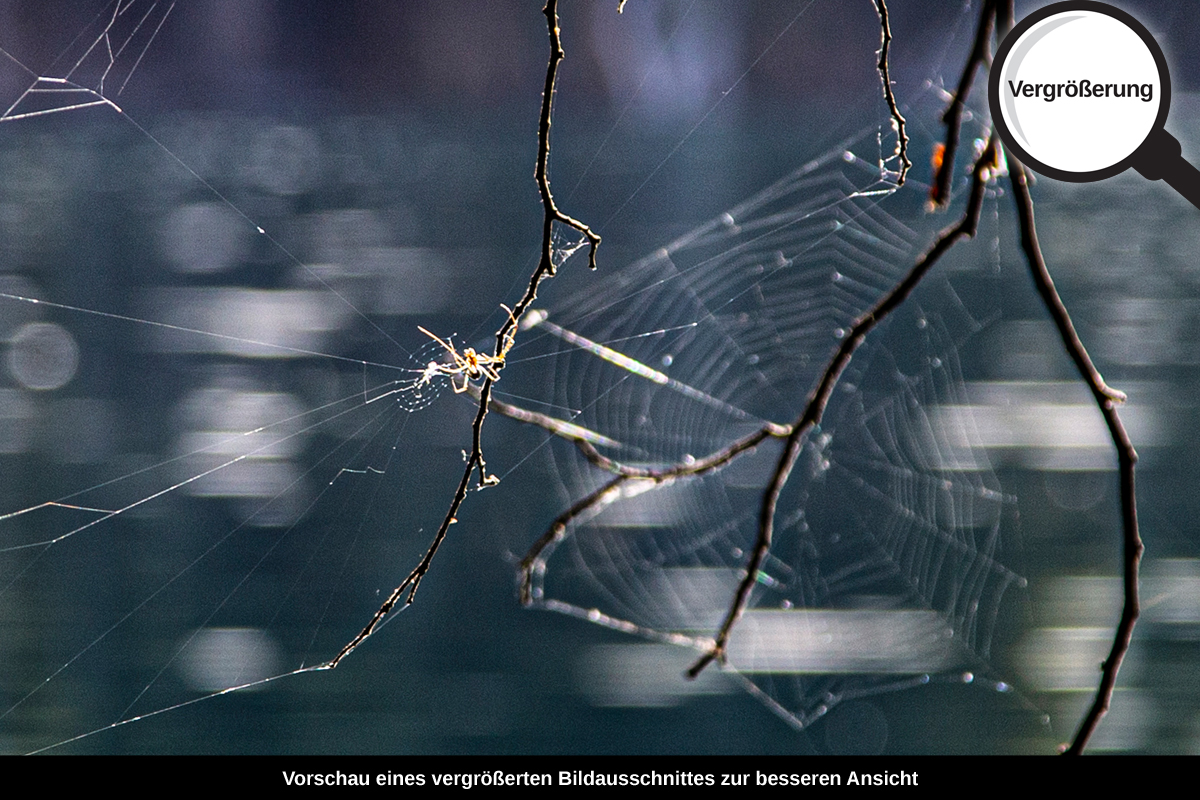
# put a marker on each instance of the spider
(469, 364)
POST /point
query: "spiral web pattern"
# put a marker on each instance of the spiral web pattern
(888, 566)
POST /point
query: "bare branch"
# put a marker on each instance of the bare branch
(552, 214)
(996, 15)
(817, 401)
(939, 194)
(535, 560)
(885, 77)
(1004, 18)
(504, 339)
(1107, 399)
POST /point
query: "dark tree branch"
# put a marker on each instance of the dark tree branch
(815, 407)
(504, 338)
(535, 558)
(939, 194)
(999, 14)
(996, 15)
(885, 78)
(552, 214)
(1107, 399)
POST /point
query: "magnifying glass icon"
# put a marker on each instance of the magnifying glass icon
(1079, 91)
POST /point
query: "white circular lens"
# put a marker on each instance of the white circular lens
(1080, 91)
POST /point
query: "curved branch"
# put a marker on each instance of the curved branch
(541, 173)
(504, 338)
(939, 193)
(815, 407)
(1107, 399)
(885, 78)
(535, 558)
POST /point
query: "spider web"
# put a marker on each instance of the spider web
(890, 566)
(273, 477)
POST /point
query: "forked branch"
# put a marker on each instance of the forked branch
(814, 408)
(996, 19)
(886, 78)
(998, 15)
(535, 560)
(981, 56)
(552, 214)
(504, 340)
(1107, 399)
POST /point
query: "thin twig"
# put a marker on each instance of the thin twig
(817, 401)
(535, 558)
(939, 194)
(584, 438)
(885, 78)
(552, 214)
(1107, 399)
(504, 338)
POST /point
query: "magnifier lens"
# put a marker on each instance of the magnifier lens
(1080, 91)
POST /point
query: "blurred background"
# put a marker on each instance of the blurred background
(387, 152)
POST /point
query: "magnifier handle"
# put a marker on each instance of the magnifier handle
(1161, 158)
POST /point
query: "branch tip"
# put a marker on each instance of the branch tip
(898, 120)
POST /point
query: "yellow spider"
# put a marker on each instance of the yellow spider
(470, 364)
